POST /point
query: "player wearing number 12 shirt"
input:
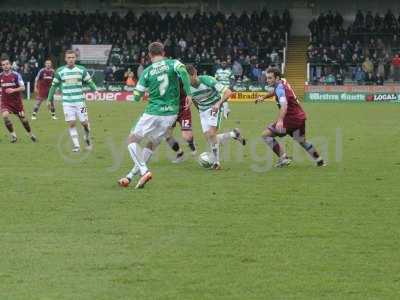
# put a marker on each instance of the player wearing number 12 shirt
(291, 120)
(185, 121)
(161, 80)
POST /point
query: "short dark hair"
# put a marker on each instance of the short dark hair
(275, 71)
(4, 59)
(70, 52)
(156, 48)
(191, 69)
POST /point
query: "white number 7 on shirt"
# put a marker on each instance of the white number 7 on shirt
(163, 79)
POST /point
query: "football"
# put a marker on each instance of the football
(205, 160)
(124, 182)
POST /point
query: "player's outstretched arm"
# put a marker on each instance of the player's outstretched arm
(226, 95)
(88, 80)
(262, 98)
(140, 87)
(52, 91)
(92, 85)
(54, 85)
(137, 95)
(184, 75)
(180, 69)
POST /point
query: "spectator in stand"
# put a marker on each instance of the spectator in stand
(237, 70)
(119, 75)
(27, 75)
(395, 40)
(340, 77)
(369, 35)
(108, 74)
(330, 79)
(126, 74)
(387, 64)
(359, 76)
(140, 69)
(380, 69)
(368, 66)
(370, 79)
(380, 79)
(15, 65)
(131, 80)
(338, 20)
(396, 67)
(255, 74)
(274, 57)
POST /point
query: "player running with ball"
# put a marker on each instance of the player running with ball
(208, 96)
(71, 78)
(291, 120)
(161, 80)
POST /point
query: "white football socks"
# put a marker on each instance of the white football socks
(137, 156)
(224, 137)
(215, 152)
(73, 132)
(147, 153)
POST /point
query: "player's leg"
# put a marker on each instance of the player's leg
(145, 125)
(212, 139)
(174, 145)
(73, 132)
(234, 134)
(84, 119)
(187, 135)
(87, 138)
(155, 128)
(52, 109)
(36, 108)
(70, 117)
(7, 122)
(210, 122)
(269, 136)
(136, 153)
(156, 131)
(185, 120)
(300, 137)
(227, 110)
(147, 154)
(25, 123)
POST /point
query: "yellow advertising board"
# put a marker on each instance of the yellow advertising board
(247, 96)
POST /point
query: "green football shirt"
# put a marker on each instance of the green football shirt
(70, 81)
(161, 80)
(207, 93)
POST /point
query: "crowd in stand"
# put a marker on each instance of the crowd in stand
(246, 41)
(366, 52)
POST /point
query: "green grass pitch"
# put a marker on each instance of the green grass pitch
(246, 232)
